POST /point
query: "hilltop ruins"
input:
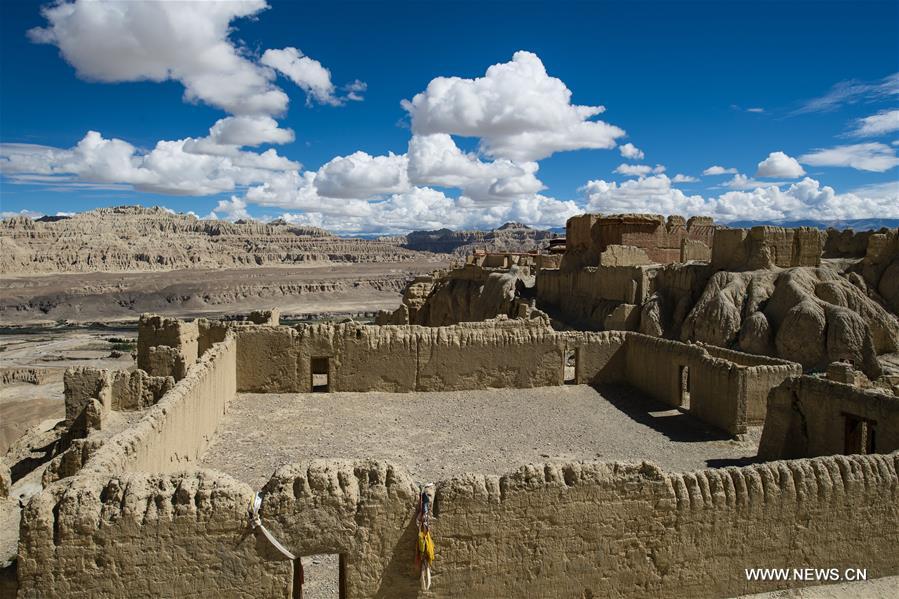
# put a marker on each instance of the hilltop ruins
(782, 343)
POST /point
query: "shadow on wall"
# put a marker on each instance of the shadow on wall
(675, 423)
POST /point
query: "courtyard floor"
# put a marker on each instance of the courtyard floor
(440, 434)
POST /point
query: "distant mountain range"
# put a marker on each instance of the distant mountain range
(858, 224)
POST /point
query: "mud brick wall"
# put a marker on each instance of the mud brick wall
(176, 431)
(153, 330)
(806, 416)
(147, 535)
(545, 530)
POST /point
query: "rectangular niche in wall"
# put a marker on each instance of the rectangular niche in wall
(320, 368)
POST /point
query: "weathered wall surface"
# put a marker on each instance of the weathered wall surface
(630, 531)
(176, 430)
(806, 417)
(505, 353)
(765, 247)
(600, 358)
(547, 530)
(147, 535)
(80, 385)
(759, 375)
(586, 297)
(153, 331)
(662, 240)
(137, 390)
(727, 389)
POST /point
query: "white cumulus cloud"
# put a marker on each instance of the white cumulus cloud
(308, 74)
(516, 110)
(778, 164)
(637, 170)
(679, 178)
(113, 41)
(361, 175)
(631, 151)
(171, 167)
(805, 199)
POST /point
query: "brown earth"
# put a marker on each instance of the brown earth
(24, 405)
(105, 297)
(440, 434)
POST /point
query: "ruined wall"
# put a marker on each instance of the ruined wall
(178, 428)
(119, 390)
(137, 390)
(585, 297)
(806, 416)
(662, 535)
(268, 360)
(600, 358)
(760, 375)
(726, 389)
(147, 535)
(505, 353)
(80, 385)
(654, 367)
(663, 241)
(551, 530)
(695, 250)
(765, 247)
(152, 331)
(210, 332)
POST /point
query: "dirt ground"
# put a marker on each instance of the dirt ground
(107, 297)
(438, 435)
(51, 351)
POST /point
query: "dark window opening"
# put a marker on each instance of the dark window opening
(684, 382)
(322, 575)
(859, 436)
(320, 372)
(569, 366)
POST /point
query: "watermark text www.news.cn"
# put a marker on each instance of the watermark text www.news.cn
(807, 574)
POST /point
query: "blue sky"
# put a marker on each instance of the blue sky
(677, 81)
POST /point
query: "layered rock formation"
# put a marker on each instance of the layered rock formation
(130, 238)
(511, 237)
(468, 294)
(812, 316)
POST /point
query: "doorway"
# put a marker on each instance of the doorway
(569, 366)
(320, 369)
(860, 435)
(684, 386)
(321, 575)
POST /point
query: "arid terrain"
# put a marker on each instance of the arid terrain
(33, 361)
(441, 434)
(340, 288)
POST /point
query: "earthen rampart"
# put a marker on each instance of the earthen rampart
(175, 431)
(598, 529)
